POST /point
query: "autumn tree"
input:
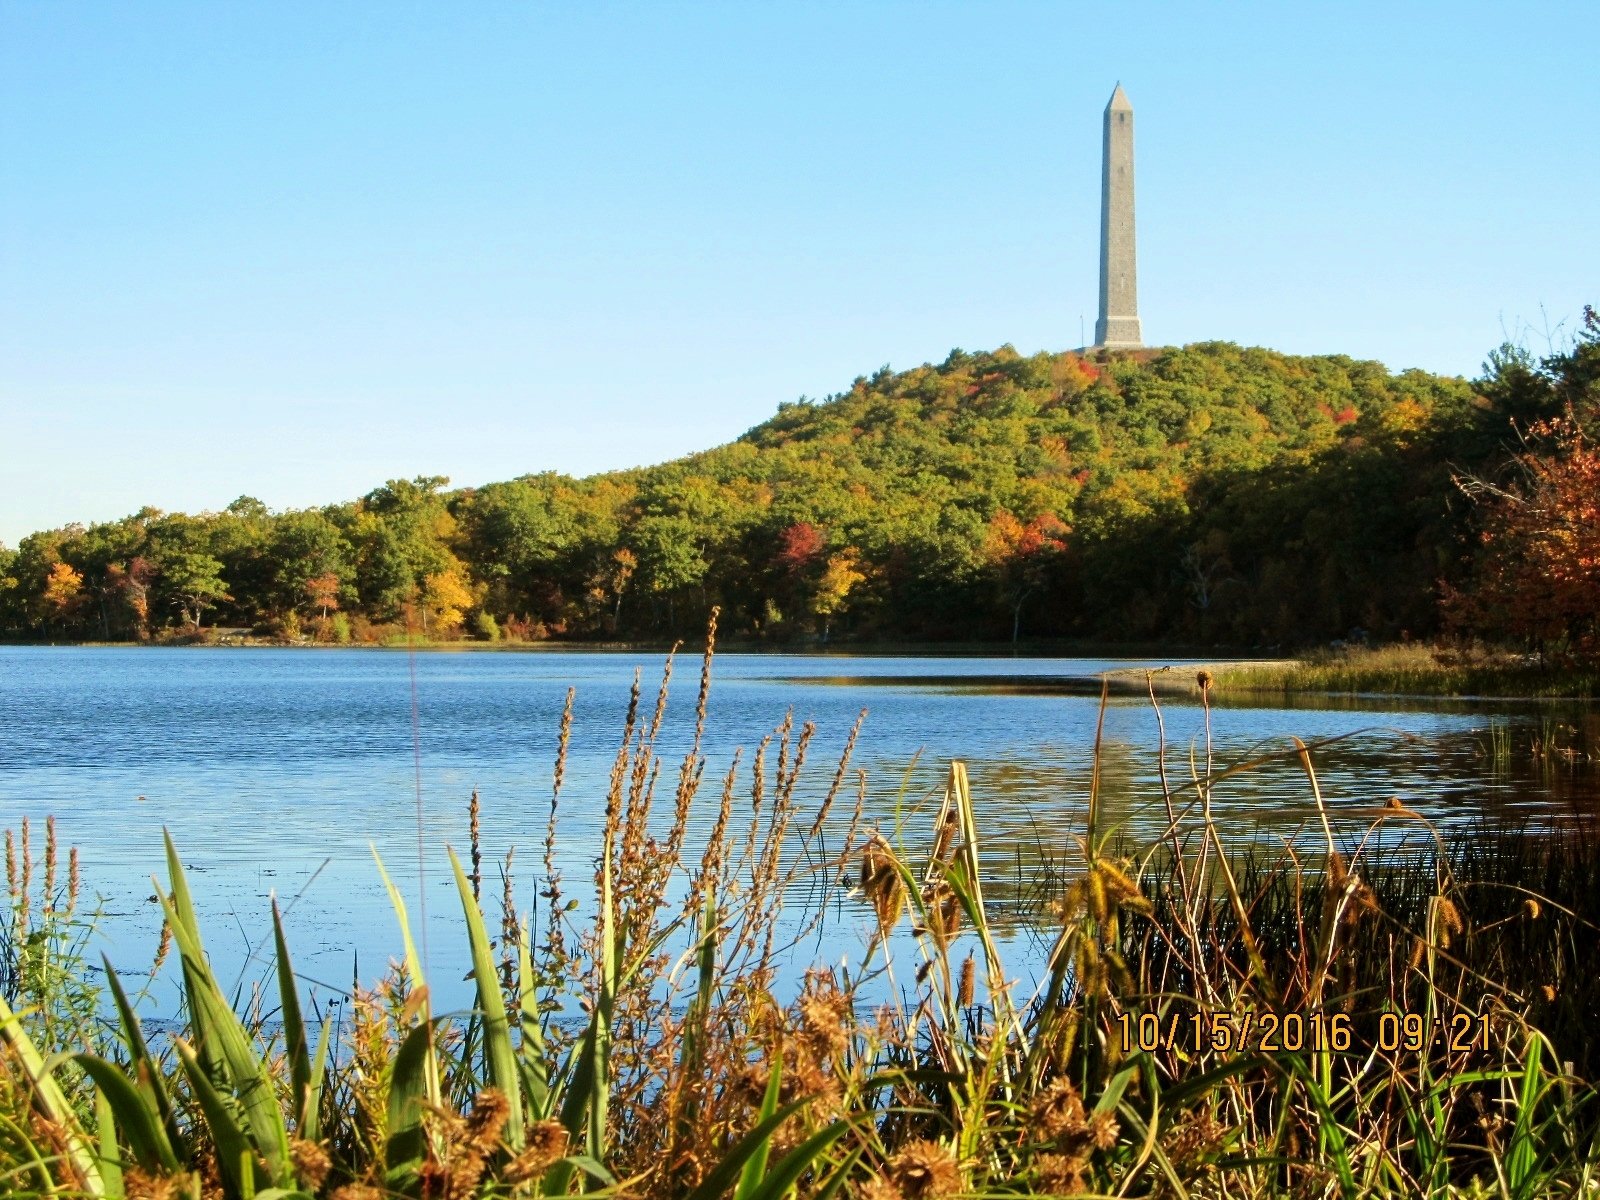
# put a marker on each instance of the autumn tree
(323, 593)
(1538, 576)
(1019, 555)
(131, 584)
(839, 579)
(445, 600)
(63, 589)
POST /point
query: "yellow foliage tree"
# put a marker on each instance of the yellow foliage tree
(839, 578)
(61, 590)
(445, 599)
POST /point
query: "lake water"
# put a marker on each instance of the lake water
(278, 771)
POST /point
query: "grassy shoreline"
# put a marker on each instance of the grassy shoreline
(1412, 670)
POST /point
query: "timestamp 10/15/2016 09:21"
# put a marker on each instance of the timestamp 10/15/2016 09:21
(1292, 1032)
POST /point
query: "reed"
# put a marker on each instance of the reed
(1415, 669)
(644, 1044)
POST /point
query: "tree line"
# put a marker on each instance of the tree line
(1208, 494)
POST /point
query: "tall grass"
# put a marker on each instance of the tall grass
(1415, 669)
(640, 1040)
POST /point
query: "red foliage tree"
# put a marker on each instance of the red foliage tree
(800, 548)
(1539, 574)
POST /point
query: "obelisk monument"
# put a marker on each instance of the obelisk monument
(1118, 326)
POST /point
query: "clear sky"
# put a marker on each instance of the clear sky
(293, 250)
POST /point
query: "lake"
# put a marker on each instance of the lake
(278, 770)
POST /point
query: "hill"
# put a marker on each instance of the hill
(1207, 493)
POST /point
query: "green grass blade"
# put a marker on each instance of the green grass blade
(795, 1163)
(110, 1158)
(311, 1129)
(756, 1167)
(532, 1051)
(731, 1167)
(130, 1111)
(418, 977)
(1520, 1155)
(403, 1151)
(148, 1075)
(221, 1041)
(295, 1045)
(236, 1157)
(499, 1053)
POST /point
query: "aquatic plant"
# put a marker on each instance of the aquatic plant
(1388, 1016)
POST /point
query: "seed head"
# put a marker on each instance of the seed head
(969, 979)
(311, 1162)
(923, 1170)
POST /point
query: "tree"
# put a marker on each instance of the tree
(445, 598)
(195, 584)
(623, 564)
(1019, 555)
(131, 584)
(62, 590)
(1539, 574)
(323, 592)
(839, 578)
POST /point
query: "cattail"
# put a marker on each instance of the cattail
(968, 988)
(311, 1161)
(1120, 890)
(944, 840)
(546, 1145)
(1531, 909)
(561, 745)
(1098, 909)
(661, 694)
(1447, 921)
(1205, 679)
(943, 913)
(881, 881)
(27, 876)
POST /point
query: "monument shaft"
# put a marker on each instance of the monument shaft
(1118, 324)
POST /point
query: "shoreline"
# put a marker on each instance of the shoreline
(1403, 671)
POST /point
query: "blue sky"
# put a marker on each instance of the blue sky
(293, 250)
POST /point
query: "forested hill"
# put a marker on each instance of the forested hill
(1204, 494)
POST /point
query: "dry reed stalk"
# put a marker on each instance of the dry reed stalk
(49, 896)
(510, 930)
(555, 948)
(23, 902)
(838, 777)
(476, 846)
(163, 948)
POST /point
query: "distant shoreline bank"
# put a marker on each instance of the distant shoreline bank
(1399, 671)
